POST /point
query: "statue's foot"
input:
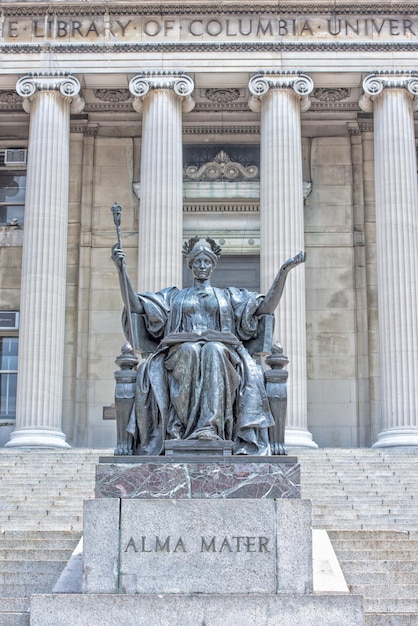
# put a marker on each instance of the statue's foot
(206, 434)
(123, 450)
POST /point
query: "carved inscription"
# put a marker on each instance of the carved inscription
(210, 544)
(152, 28)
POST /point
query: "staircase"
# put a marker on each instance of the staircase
(41, 509)
(366, 499)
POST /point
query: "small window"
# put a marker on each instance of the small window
(12, 196)
(8, 376)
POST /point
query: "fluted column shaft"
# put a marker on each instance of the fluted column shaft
(392, 98)
(41, 339)
(280, 98)
(162, 98)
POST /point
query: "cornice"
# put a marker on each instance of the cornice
(195, 8)
(196, 47)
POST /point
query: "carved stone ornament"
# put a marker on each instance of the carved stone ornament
(221, 168)
(10, 97)
(112, 95)
(374, 84)
(331, 94)
(66, 84)
(222, 96)
(261, 83)
(181, 84)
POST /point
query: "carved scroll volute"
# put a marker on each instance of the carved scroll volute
(375, 84)
(182, 85)
(261, 83)
(69, 86)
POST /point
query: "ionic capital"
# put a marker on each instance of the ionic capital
(375, 84)
(69, 87)
(261, 83)
(181, 84)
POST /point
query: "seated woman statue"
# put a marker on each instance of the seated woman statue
(200, 382)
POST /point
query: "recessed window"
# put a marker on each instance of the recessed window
(8, 376)
(12, 196)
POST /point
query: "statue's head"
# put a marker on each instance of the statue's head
(197, 247)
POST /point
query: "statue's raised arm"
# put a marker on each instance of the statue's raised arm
(272, 298)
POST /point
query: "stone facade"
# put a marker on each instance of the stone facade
(199, 75)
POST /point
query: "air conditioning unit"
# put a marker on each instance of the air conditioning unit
(9, 320)
(15, 156)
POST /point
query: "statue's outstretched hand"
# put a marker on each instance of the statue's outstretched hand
(294, 261)
(117, 255)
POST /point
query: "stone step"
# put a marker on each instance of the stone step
(39, 534)
(390, 619)
(381, 578)
(376, 544)
(368, 555)
(14, 619)
(391, 605)
(380, 566)
(14, 605)
(394, 591)
(12, 583)
(13, 558)
(37, 545)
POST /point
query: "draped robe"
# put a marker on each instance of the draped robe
(200, 381)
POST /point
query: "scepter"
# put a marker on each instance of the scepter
(117, 210)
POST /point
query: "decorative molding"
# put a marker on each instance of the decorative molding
(353, 129)
(203, 107)
(107, 10)
(261, 83)
(366, 125)
(221, 130)
(375, 83)
(221, 168)
(196, 46)
(10, 97)
(77, 128)
(224, 207)
(67, 85)
(110, 107)
(222, 96)
(113, 95)
(180, 83)
(331, 94)
(334, 106)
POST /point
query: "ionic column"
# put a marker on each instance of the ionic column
(280, 97)
(393, 98)
(161, 96)
(49, 99)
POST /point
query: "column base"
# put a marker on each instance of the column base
(393, 437)
(299, 438)
(37, 438)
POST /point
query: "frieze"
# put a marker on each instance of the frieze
(220, 26)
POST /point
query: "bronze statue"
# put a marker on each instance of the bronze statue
(198, 380)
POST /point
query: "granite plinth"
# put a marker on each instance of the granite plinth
(197, 546)
(225, 477)
(191, 610)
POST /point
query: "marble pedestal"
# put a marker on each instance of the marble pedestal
(181, 542)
